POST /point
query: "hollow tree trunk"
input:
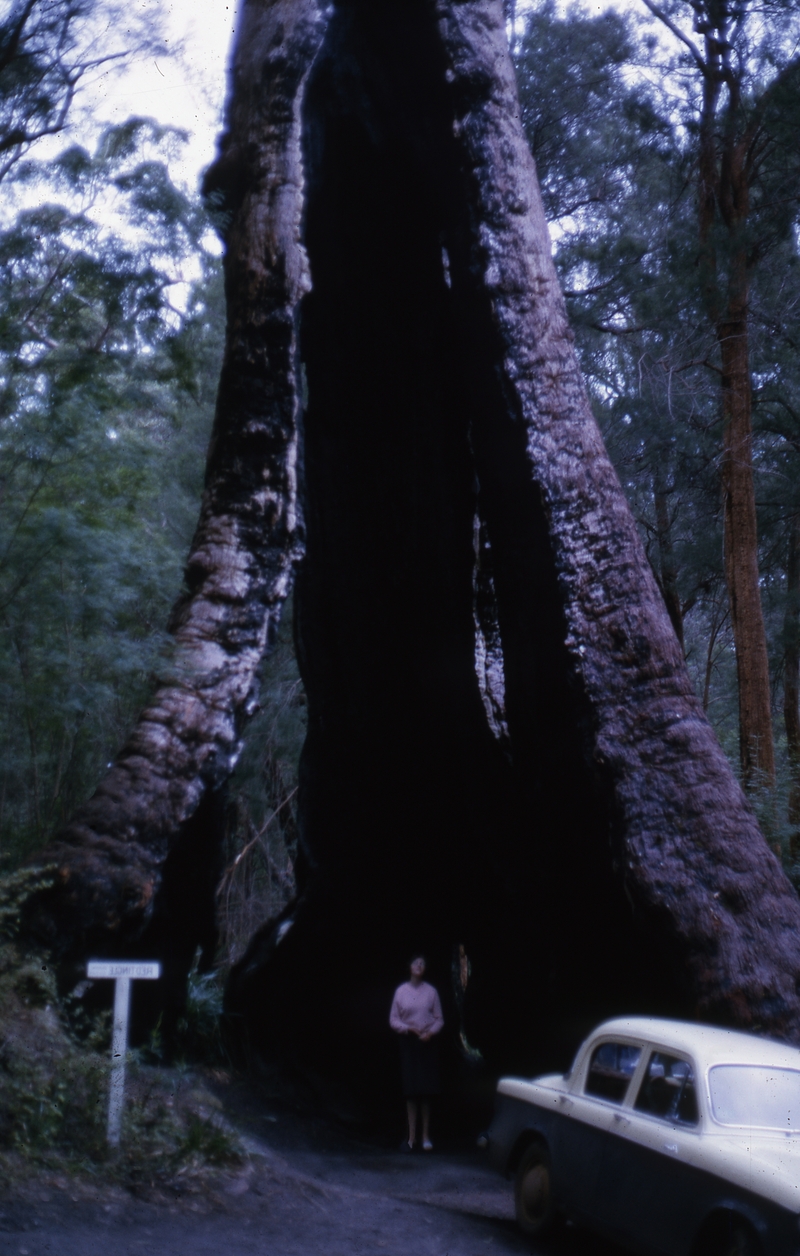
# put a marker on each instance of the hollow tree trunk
(588, 844)
(756, 749)
(504, 748)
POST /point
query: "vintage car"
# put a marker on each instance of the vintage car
(669, 1138)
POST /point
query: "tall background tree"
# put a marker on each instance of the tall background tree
(646, 236)
(743, 113)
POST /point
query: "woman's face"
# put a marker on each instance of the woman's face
(418, 968)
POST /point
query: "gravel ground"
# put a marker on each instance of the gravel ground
(305, 1187)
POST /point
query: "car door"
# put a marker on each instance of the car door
(649, 1178)
(586, 1114)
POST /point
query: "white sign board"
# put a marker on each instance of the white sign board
(122, 972)
(137, 970)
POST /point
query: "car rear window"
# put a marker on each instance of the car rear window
(752, 1095)
(611, 1068)
(667, 1090)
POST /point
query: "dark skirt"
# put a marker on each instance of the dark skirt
(419, 1065)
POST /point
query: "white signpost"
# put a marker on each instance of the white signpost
(122, 972)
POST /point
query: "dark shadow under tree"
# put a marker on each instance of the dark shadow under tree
(504, 749)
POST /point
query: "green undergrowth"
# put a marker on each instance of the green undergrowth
(54, 1089)
(54, 1076)
(200, 1036)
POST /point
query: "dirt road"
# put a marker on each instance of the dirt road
(305, 1188)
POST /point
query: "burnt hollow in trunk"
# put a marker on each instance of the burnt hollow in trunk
(505, 751)
(422, 825)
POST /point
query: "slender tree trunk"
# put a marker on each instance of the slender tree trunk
(34, 809)
(717, 621)
(667, 564)
(741, 543)
(791, 678)
(723, 190)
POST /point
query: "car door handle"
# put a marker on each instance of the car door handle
(621, 1122)
(565, 1102)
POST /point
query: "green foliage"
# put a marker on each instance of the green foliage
(612, 117)
(54, 1090)
(106, 393)
(46, 48)
(51, 1091)
(15, 889)
(172, 1128)
(207, 1142)
(771, 805)
(200, 1037)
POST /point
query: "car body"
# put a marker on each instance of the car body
(673, 1139)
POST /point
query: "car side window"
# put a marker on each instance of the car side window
(611, 1068)
(668, 1090)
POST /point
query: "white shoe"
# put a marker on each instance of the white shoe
(427, 1145)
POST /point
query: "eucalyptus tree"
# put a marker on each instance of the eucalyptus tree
(619, 165)
(504, 748)
(739, 69)
(610, 171)
(613, 174)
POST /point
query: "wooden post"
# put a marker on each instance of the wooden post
(122, 972)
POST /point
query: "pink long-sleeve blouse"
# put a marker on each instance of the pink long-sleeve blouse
(417, 1008)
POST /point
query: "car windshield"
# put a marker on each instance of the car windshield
(748, 1094)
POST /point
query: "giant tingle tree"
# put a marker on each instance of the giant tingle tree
(504, 749)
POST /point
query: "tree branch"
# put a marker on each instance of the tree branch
(678, 33)
(765, 100)
(10, 50)
(616, 331)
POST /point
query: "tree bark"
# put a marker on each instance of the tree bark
(566, 815)
(756, 749)
(725, 166)
(595, 851)
(137, 864)
(791, 678)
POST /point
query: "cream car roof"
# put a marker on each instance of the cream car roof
(708, 1044)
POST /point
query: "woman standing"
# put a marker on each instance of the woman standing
(416, 1016)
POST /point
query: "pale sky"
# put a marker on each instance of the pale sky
(190, 91)
(187, 91)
